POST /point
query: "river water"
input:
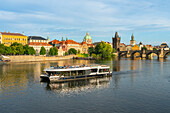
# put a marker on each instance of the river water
(135, 86)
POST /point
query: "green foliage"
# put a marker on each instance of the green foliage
(42, 51)
(32, 51)
(154, 49)
(103, 50)
(114, 50)
(2, 49)
(8, 50)
(83, 55)
(72, 51)
(53, 51)
(17, 48)
(91, 50)
(27, 50)
(144, 48)
(78, 51)
(66, 53)
(93, 55)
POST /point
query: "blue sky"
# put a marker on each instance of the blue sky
(149, 20)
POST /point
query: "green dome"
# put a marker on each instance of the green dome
(87, 37)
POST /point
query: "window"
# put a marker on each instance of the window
(93, 70)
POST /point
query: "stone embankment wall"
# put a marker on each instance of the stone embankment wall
(29, 58)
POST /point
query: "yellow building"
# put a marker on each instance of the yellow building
(135, 47)
(8, 38)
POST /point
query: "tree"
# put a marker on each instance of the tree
(2, 49)
(72, 51)
(103, 50)
(32, 51)
(27, 50)
(8, 50)
(90, 50)
(17, 48)
(55, 50)
(42, 51)
(66, 53)
(20, 49)
(14, 51)
(51, 52)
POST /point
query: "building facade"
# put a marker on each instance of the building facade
(116, 41)
(37, 42)
(64, 46)
(8, 38)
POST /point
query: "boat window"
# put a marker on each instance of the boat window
(73, 73)
(93, 70)
(104, 70)
(87, 72)
(80, 72)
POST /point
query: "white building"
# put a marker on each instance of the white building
(37, 42)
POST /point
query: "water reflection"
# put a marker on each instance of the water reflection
(79, 86)
(18, 76)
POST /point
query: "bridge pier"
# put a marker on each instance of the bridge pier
(161, 55)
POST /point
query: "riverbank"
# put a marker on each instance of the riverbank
(30, 58)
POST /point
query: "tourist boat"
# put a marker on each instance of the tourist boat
(69, 73)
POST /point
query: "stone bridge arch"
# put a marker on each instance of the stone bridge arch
(122, 53)
(165, 54)
(134, 52)
(150, 52)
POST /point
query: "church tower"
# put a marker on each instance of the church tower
(87, 39)
(116, 41)
(132, 41)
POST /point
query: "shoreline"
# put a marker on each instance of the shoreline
(30, 58)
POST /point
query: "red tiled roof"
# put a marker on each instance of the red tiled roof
(71, 42)
(90, 45)
(54, 41)
(8, 33)
(64, 42)
(84, 42)
(39, 44)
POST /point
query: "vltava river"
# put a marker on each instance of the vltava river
(136, 86)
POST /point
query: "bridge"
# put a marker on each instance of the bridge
(143, 53)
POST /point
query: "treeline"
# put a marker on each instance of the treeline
(17, 49)
(102, 50)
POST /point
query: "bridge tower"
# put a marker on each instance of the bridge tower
(132, 41)
(116, 41)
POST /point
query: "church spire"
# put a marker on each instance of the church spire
(116, 35)
(132, 37)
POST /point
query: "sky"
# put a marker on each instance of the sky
(148, 20)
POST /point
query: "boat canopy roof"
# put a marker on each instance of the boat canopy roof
(75, 68)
